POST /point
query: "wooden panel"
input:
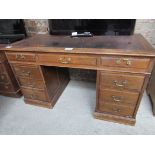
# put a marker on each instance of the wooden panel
(3, 78)
(68, 59)
(116, 110)
(125, 62)
(34, 94)
(121, 81)
(1, 68)
(9, 85)
(118, 97)
(56, 80)
(21, 57)
(115, 118)
(27, 82)
(28, 71)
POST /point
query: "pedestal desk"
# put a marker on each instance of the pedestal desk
(123, 65)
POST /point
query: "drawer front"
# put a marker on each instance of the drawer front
(32, 72)
(2, 56)
(68, 59)
(3, 78)
(121, 81)
(117, 110)
(118, 97)
(21, 57)
(34, 94)
(27, 82)
(6, 88)
(125, 62)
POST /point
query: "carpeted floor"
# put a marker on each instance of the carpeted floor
(71, 115)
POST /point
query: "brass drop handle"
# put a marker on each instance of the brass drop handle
(128, 62)
(118, 61)
(120, 85)
(33, 96)
(116, 110)
(117, 98)
(65, 60)
(20, 57)
(26, 73)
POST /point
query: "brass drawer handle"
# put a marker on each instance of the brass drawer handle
(117, 98)
(128, 62)
(120, 85)
(26, 73)
(32, 84)
(20, 57)
(33, 96)
(119, 61)
(65, 60)
(116, 110)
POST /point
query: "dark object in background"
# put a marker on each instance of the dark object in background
(11, 30)
(94, 26)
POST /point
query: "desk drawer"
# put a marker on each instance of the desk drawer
(118, 97)
(34, 94)
(68, 59)
(21, 57)
(6, 87)
(32, 72)
(125, 62)
(3, 78)
(27, 82)
(117, 110)
(121, 81)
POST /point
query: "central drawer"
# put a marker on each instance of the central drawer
(118, 97)
(67, 59)
(32, 72)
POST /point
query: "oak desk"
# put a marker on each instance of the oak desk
(123, 65)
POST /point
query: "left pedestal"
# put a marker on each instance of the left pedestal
(8, 83)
